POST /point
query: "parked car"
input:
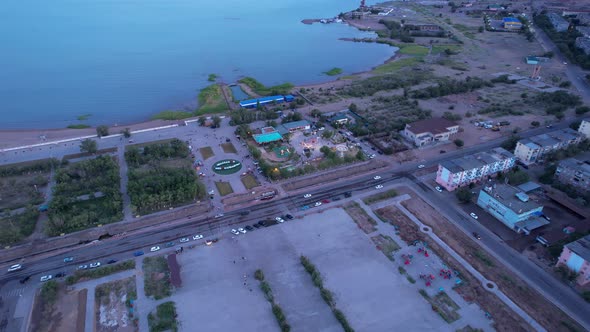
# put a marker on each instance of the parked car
(197, 237)
(219, 215)
(421, 166)
(305, 207)
(94, 265)
(46, 278)
(378, 186)
(82, 267)
(169, 244)
(208, 242)
(318, 203)
(68, 259)
(155, 248)
(241, 230)
(15, 267)
(307, 196)
(347, 194)
(184, 239)
(279, 220)
(112, 261)
(376, 177)
(138, 253)
(249, 228)
(325, 201)
(25, 279)
(476, 235)
(60, 275)
(256, 226)
(439, 189)
(262, 223)
(443, 151)
(473, 215)
(235, 232)
(288, 216)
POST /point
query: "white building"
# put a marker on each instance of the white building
(429, 131)
(585, 128)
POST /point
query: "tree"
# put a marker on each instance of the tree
(582, 110)
(464, 195)
(352, 107)
(88, 146)
(201, 120)
(327, 134)
(517, 177)
(459, 143)
(510, 143)
(126, 133)
(535, 123)
(216, 121)
(316, 113)
(102, 130)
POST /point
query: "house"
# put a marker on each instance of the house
(474, 168)
(512, 207)
(583, 43)
(576, 256)
(430, 130)
(575, 171)
(530, 150)
(585, 128)
(558, 22)
(266, 135)
(512, 23)
(339, 119)
(296, 125)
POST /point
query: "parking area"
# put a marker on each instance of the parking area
(367, 286)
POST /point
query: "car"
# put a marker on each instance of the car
(549, 126)
(68, 259)
(442, 151)
(184, 239)
(565, 63)
(305, 207)
(208, 242)
(288, 216)
(262, 223)
(325, 201)
(169, 244)
(256, 226)
(82, 267)
(241, 230)
(60, 275)
(197, 237)
(46, 278)
(307, 196)
(477, 236)
(234, 232)
(318, 203)
(347, 194)
(94, 265)
(154, 248)
(244, 213)
(439, 189)
(15, 267)
(112, 261)
(25, 279)
(378, 186)
(279, 220)
(473, 215)
(421, 166)
(376, 177)
(219, 215)
(249, 228)
(138, 253)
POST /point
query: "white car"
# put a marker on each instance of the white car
(197, 237)
(473, 215)
(94, 265)
(439, 189)
(421, 166)
(241, 230)
(318, 203)
(279, 220)
(15, 267)
(234, 232)
(82, 267)
(378, 186)
(184, 239)
(155, 248)
(219, 215)
(46, 278)
(307, 196)
(376, 177)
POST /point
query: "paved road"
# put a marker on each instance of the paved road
(575, 74)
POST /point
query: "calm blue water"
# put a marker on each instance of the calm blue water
(238, 93)
(125, 60)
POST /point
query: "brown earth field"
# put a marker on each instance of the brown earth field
(68, 313)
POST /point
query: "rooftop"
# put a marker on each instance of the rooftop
(268, 134)
(477, 160)
(511, 19)
(433, 125)
(581, 247)
(580, 163)
(507, 196)
(529, 186)
(296, 124)
(550, 139)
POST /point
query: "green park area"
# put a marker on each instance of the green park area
(161, 177)
(14, 228)
(224, 188)
(249, 181)
(282, 151)
(229, 148)
(226, 166)
(86, 194)
(206, 152)
(261, 89)
(211, 100)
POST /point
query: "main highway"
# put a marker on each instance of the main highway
(122, 247)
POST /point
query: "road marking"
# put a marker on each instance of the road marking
(14, 292)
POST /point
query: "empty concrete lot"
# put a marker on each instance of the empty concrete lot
(368, 288)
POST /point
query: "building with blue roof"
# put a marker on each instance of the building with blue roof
(512, 207)
(267, 135)
(253, 103)
(512, 23)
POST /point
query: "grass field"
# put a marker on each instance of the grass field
(249, 181)
(156, 277)
(82, 275)
(396, 65)
(229, 148)
(413, 50)
(380, 196)
(206, 152)
(224, 188)
(164, 319)
(211, 100)
(24, 183)
(172, 115)
(263, 90)
(334, 71)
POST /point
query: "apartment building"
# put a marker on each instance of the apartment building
(531, 150)
(576, 256)
(575, 171)
(429, 131)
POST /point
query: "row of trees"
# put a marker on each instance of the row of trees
(42, 166)
(372, 85)
(565, 41)
(450, 87)
(176, 148)
(248, 116)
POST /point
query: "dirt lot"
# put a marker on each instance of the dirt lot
(360, 217)
(66, 314)
(528, 299)
(112, 313)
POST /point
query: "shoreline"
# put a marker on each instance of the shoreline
(10, 138)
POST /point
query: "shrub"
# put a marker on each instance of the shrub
(100, 272)
(535, 123)
(459, 143)
(582, 110)
(327, 296)
(259, 275)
